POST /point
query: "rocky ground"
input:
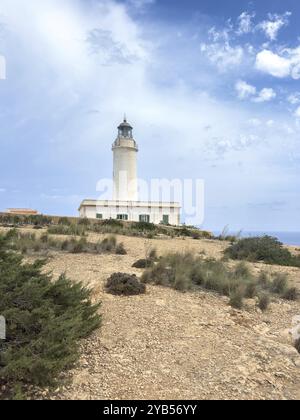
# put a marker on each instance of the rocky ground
(172, 345)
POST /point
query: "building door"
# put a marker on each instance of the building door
(166, 219)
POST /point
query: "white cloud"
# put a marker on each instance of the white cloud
(245, 24)
(219, 35)
(141, 4)
(285, 63)
(65, 69)
(219, 50)
(272, 26)
(224, 56)
(293, 55)
(294, 98)
(2, 190)
(297, 112)
(244, 90)
(271, 63)
(265, 95)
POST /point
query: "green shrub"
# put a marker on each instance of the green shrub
(64, 221)
(251, 290)
(79, 247)
(264, 280)
(120, 249)
(186, 271)
(265, 248)
(44, 238)
(84, 222)
(29, 243)
(124, 284)
(242, 271)
(65, 245)
(108, 244)
(236, 299)
(152, 254)
(45, 320)
(143, 263)
(182, 280)
(72, 230)
(111, 222)
(263, 302)
(143, 226)
(290, 293)
(280, 283)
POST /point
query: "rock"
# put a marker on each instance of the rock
(297, 362)
(287, 350)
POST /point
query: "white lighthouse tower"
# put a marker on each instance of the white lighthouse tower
(125, 152)
(125, 204)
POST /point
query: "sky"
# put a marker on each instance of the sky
(212, 89)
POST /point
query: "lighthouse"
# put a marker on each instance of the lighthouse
(125, 204)
(125, 149)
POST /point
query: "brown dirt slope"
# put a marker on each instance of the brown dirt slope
(170, 345)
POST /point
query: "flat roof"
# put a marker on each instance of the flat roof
(114, 203)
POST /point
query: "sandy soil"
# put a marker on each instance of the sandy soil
(172, 345)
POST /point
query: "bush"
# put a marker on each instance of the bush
(28, 242)
(84, 222)
(45, 320)
(263, 302)
(79, 246)
(264, 280)
(290, 293)
(186, 271)
(265, 248)
(279, 284)
(71, 230)
(251, 290)
(124, 284)
(144, 226)
(120, 249)
(112, 222)
(108, 244)
(236, 299)
(152, 254)
(185, 232)
(143, 263)
(64, 221)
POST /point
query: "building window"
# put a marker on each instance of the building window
(165, 219)
(99, 216)
(122, 217)
(145, 218)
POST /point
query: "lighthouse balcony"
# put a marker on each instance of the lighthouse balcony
(125, 142)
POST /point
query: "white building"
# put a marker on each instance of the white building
(125, 204)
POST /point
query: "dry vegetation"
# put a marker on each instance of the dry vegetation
(171, 344)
